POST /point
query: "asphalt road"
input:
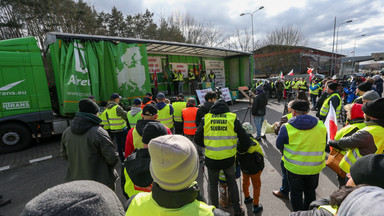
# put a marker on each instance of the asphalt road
(22, 183)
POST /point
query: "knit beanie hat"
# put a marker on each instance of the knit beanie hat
(332, 85)
(88, 106)
(371, 95)
(248, 127)
(174, 162)
(365, 86)
(75, 198)
(153, 130)
(369, 170)
(375, 108)
(300, 105)
(356, 111)
(363, 201)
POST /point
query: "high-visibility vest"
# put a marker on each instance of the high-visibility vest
(178, 107)
(144, 204)
(104, 120)
(165, 117)
(131, 189)
(143, 105)
(358, 98)
(189, 117)
(175, 76)
(137, 139)
(115, 121)
(301, 156)
(211, 76)
(325, 108)
(255, 148)
(303, 85)
(191, 77)
(287, 85)
(133, 119)
(203, 78)
(329, 208)
(180, 77)
(289, 116)
(295, 85)
(354, 154)
(272, 84)
(220, 138)
(316, 91)
(348, 128)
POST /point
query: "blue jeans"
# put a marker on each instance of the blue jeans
(302, 184)
(258, 120)
(313, 100)
(181, 87)
(284, 184)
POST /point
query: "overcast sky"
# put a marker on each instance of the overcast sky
(315, 18)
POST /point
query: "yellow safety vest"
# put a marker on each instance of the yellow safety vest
(325, 108)
(133, 119)
(303, 85)
(301, 156)
(137, 139)
(316, 91)
(164, 117)
(287, 84)
(329, 208)
(178, 107)
(131, 189)
(203, 77)
(354, 154)
(192, 77)
(289, 116)
(354, 101)
(144, 204)
(255, 148)
(295, 85)
(220, 138)
(115, 121)
(104, 120)
(348, 128)
(180, 76)
(175, 76)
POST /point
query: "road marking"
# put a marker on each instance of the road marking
(5, 168)
(40, 159)
(235, 111)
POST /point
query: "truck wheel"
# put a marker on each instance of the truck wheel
(14, 137)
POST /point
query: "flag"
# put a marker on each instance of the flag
(310, 76)
(351, 51)
(281, 75)
(331, 122)
(309, 70)
(290, 73)
(154, 75)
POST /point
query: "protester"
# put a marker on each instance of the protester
(379, 84)
(192, 81)
(361, 89)
(135, 176)
(87, 147)
(369, 96)
(211, 76)
(259, 106)
(134, 114)
(165, 111)
(175, 80)
(117, 119)
(219, 132)
(251, 165)
(87, 198)
(299, 140)
(174, 189)
(189, 120)
(279, 89)
(147, 100)
(181, 81)
(210, 98)
(334, 98)
(301, 95)
(314, 92)
(178, 106)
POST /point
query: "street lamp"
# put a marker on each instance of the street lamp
(354, 50)
(242, 14)
(337, 38)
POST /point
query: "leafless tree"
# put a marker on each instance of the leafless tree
(286, 35)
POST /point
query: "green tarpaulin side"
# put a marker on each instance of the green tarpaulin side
(99, 68)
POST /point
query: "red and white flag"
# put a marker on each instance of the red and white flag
(331, 122)
(309, 70)
(290, 73)
(281, 75)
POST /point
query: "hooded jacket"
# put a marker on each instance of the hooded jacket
(244, 141)
(259, 104)
(89, 150)
(161, 105)
(119, 110)
(135, 110)
(204, 109)
(379, 85)
(300, 122)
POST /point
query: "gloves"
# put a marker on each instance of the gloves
(333, 143)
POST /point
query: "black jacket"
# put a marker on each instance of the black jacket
(204, 109)
(244, 141)
(379, 86)
(314, 209)
(251, 163)
(259, 104)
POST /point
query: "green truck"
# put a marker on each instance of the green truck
(39, 90)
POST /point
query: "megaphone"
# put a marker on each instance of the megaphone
(267, 128)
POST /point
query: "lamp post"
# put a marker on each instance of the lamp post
(354, 50)
(253, 42)
(337, 39)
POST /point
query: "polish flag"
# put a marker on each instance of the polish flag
(281, 75)
(309, 70)
(311, 76)
(331, 122)
(290, 73)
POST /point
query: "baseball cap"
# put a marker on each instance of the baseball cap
(149, 110)
(114, 96)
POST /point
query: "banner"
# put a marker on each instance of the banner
(225, 94)
(201, 94)
(182, 67)
(217, 66)
(154, 63)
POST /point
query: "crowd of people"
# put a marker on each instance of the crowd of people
(165, 150)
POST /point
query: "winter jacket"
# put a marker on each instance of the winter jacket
(379, 86)
(244, 141)
(129, 147)
(204, 109)
(351, 94)
(279, 86)
(314, 209)
(283, 120)
(251, 163)
(301, 122)
(89, 150)
(135, 110)
(362, 140)
(259, 104)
